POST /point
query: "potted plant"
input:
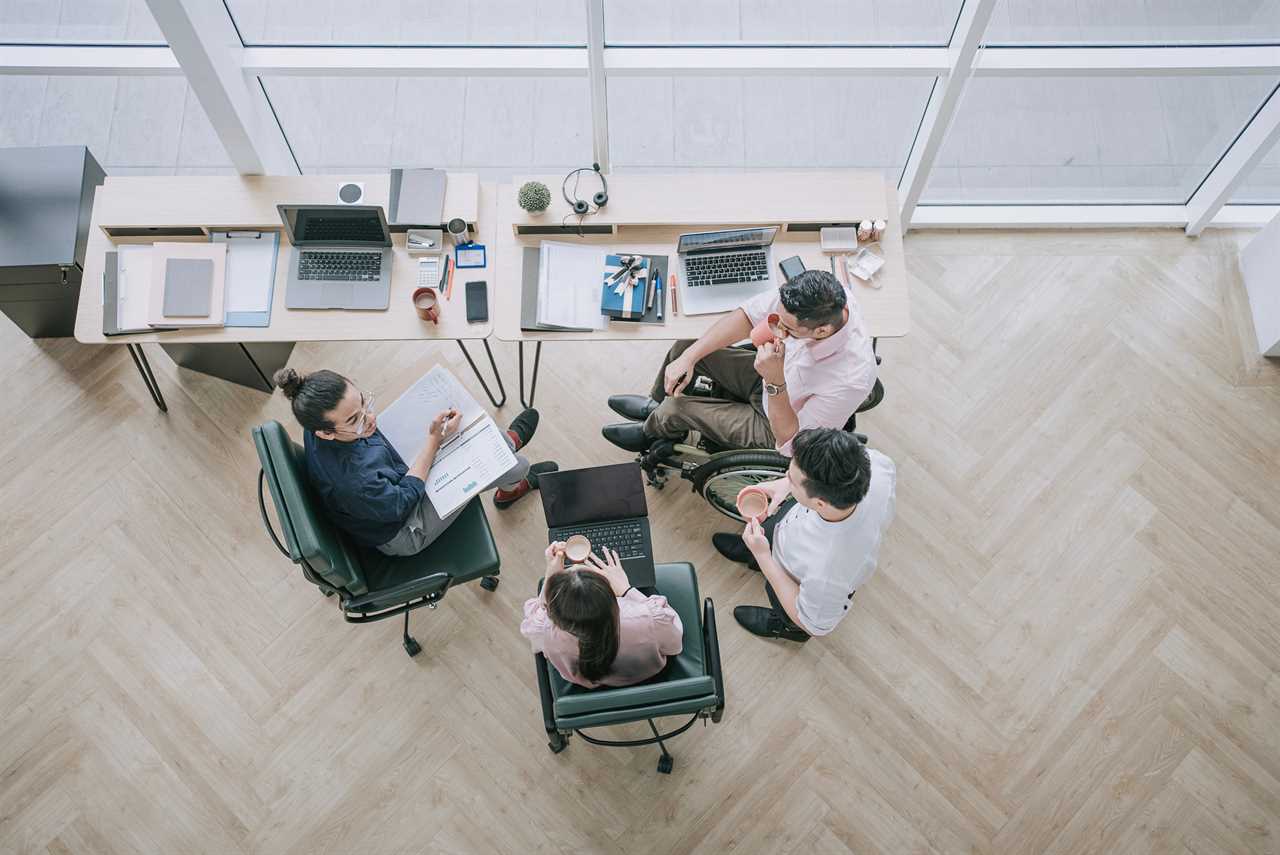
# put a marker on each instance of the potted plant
(534, 197)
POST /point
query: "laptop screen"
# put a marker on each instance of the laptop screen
(728, 239)
(359, 225)
(596, 494)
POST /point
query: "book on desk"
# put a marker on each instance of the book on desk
(591, 298)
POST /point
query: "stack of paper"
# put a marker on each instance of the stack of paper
(568, 286)
(469, 460)
(187, 284)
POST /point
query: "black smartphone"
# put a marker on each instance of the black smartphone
(791, 267)
(477, 302)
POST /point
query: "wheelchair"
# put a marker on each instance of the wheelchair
(718, 474)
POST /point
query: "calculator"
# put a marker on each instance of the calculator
(429, 271)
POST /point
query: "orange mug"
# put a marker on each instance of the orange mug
(753, 502)
(427, 304)
(766, 331)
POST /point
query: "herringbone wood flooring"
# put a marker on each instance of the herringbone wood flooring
(1072, 644)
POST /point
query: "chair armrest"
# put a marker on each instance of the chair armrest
(544, 693)
(433, 584)
(711, 652)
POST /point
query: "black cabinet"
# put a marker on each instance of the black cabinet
(46, 198)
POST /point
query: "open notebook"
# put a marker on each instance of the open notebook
(469, 460)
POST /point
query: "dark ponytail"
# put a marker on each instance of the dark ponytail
(582, 603)
(312, 395)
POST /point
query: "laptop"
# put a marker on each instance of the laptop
(606, 505)
(721, 270)
(341, 257)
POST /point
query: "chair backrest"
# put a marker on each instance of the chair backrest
(312, 540)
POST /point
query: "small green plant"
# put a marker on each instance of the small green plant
(534, 197)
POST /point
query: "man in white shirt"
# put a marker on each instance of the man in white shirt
(822, 545)
(816, 375)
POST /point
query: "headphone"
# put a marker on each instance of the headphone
(580, 206)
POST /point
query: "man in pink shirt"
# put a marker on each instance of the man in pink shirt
(816, 375)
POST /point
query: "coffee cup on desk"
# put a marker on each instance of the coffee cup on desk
(767, 330)
(426, 302)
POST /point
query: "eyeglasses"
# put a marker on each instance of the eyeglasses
(362, 419)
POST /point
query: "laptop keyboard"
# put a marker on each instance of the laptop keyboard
(624, 538)
(727, 268)
(343, 266)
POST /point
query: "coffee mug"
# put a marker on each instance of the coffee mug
(753, 502)
(577, 548)
(427, 304)
(766, 331)
(458, 231)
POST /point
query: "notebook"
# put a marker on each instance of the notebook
(187, 285)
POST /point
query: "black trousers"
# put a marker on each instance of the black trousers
(769, 525)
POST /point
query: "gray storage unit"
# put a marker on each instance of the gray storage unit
(46, 197)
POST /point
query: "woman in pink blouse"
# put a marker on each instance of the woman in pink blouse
(595, 628)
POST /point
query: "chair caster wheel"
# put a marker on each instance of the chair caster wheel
(665, 762)
(558, 743)
(411, 646)
(489, 583)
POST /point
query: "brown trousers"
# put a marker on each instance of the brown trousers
(734, 421)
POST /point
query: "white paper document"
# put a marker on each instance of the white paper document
(133, 288)
(569, 285)
(469, 460)
(251, 266)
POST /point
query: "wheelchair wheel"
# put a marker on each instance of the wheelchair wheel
(721, 478)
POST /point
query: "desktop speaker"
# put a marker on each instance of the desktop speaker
(350, 192)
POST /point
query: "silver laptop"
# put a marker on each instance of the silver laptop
(720, 270)
(341, 256)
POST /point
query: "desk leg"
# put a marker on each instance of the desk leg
(533, 382)
(144, 368)
(492, 364)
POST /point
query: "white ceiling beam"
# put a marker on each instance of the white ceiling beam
(204, 40)
(661, 62)
(940, 110)
(76, 60)
(410, 62)
(1255, 141)
(1107, 62)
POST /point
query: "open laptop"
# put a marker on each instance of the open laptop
(605, 504)
(721, 270)
(341, 256)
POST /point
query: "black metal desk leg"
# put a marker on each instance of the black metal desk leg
(492, 364)
(144, 368)
(533, 383)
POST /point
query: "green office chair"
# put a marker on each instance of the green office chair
(691, 684)
(370, 586)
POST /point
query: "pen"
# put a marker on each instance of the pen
(671, 286)
(657, 296)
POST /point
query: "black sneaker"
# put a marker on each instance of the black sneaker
(763, 622)
(503, 499)
(523, 426)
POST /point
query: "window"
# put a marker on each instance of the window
(1090, 139)
(1262, 185)
(420, 22)
(130, 124)
(1134, 22)
(500, 124)
(766, 22)
(787, 122)
(91, 21)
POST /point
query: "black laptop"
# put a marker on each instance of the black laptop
(606, 505)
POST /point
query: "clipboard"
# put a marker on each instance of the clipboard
(251, 276)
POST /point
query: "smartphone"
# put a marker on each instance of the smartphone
(477, 302)
(791, 267)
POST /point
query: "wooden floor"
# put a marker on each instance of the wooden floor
(1072, 644)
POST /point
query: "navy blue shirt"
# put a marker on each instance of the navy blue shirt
(363, 485)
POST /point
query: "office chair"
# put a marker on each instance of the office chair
(718, 474)
(691, 684)
(370, 586)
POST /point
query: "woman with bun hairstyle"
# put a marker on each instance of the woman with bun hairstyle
(595, 628)
(365, 486)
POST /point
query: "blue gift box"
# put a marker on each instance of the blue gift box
(623, 298)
